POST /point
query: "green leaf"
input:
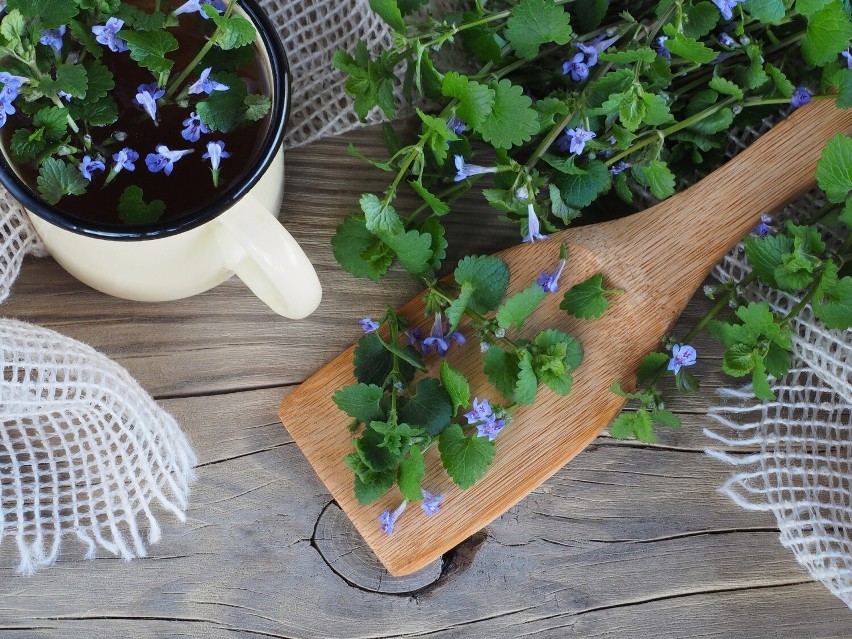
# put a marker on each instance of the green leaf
(13, 29)
(834, 168)
(665, 417)
(380, 217)
(726, 87)
(637, 424)
(845, 216)
(656, 110)
(844, 89)
(777, 361)
(739, 360)
(465, 458)
(650, 365)
(781, 82)
(132, 209)
(70, 78)
(57, 179)
(438, 207)
(455, 311)
(558, 206)
(476, 100)
(481, 43)
(657, 177)
(512, 120)
(534, 23)
(578, 191)
(26, 145)
(257, 106)
(587, 300)
(558, 355)
(643, 54)
(430, 407)
(438, 135)
(827, 34)
(389, 11)
(809, 7)
(412, 470)
(519, 306)
(622, 426)
(374, 486)
(527, 382)
(373, 362)
(408, 355)
(432, 226)
(360, 401)
(767, 254)
(760, 321)
(456, 385)
(832, 302)
(224, 110)
(687, 48)
(413, 250)
(489, 277)
(54, 120)
(233, 31)
(140, 20)
(52, 13)
(760, 383)
(502, 369)
(100, 80)
(701, 19)
(548, 109)
(769, 11)
(149, 49)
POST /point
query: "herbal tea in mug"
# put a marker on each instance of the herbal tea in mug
(130, 113)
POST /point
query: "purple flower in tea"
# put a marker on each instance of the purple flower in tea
(574, 140)
(164, 159)
(107, 34)
(430, 502)
(147, 98)
(533, 226)
(195, 5)
(726, 7)
(661, 48)
(681, 356)
(439, 339)
(194, 127)
(368, 325)
(205, 85)
(465, 170)
(11, 86)
(124, 159)
(490, 429)
(800, 96)
(215, 152)
(388, 519)
(578, 69)
(88, 165)
(53, 37)
(482, 412)
(846, 54)
(456, 125)
(550, 281)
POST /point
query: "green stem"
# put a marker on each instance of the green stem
(479, 319)
(451, 194)
(804, 301)
(203, 52)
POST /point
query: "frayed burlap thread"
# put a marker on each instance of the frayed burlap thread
(83, 450)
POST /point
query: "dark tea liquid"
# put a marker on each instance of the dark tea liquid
(190, 186)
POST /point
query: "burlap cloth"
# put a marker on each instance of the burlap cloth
(82, 440)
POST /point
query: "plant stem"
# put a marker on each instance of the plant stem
(478, 318)
(452, 194)
(200, 56)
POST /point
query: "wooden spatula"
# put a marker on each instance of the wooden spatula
(659, 257)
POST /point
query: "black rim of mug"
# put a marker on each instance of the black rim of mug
(280, 75)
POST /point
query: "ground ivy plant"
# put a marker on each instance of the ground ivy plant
(52, 69)
(567, 103)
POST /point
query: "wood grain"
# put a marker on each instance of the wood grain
(629, 540)
(658, 257)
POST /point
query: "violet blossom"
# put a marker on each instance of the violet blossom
(430, 502)
(147, 97)
(388, 519)
(106, 34)
(205, 85)
(456, 125)
(726, 7)
(846, 54)
(801, 96)
(194, 127)
(124, 159)
(764, 227)
(368, 325)
(533, 226)
(215, 152)
(193, 6)
(164, 159)
(439, 339)
(88, 165)
(53, 37)
(576, 67)
(574, 140)
(465, 170)
(661, 48)
(681, 356)
(550, 281)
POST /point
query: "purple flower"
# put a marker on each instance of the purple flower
(464, 170)
(661, 48)
(482, 412)
(6, 108)
(456, 125)
(194, 128)
(764, 228)
(619, 167)
(147, 98)
(578, 69)
(533, 226)
(430, 502)
(368, 325)
(415, 336)
(124, 159)
(388, 519)
(726, 7)
(88, 165)
(215, 152)
(727, 41)
(800, 96)
(586, 50)
(439, 339)
(575, 140)
(164, 159)
(205, 85)
(107, 34)
(490, 429)
(550, 281)
(195, 5)
(846, 54)
(681, 356)
(65, 96)
(53, 37)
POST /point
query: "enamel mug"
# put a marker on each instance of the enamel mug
(238, 233)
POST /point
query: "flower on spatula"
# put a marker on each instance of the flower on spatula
(388, 519)
(205, 85)
(107, 34)
(481, 412)
(88, 165)
(430, 502)
(550, 281)
(439, 339)
(164, 159)
(147, 97)
(681, 356)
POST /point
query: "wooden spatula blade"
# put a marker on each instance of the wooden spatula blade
(657, 257)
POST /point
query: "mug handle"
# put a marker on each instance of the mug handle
(267, 258)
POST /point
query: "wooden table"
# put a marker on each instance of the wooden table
(628, 540)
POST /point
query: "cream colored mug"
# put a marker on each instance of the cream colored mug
(237, 234)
